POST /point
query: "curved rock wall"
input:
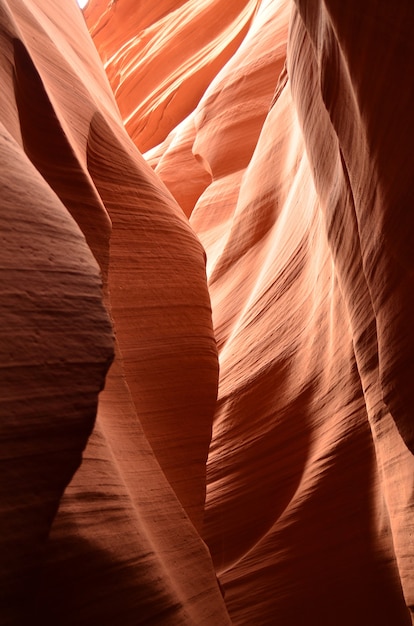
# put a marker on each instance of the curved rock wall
(289, 169)
(256, 424)
(98, 516)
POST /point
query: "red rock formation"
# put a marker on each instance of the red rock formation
(147, 39)
(303, 504)
(283, 132)
(117, 546)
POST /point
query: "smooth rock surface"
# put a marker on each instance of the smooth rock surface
(98, 516)
(304, 148)
(251, 458)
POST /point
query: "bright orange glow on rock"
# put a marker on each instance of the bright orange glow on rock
(217, 196)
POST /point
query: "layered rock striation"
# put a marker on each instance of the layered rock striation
(100, 509)
(250, 460)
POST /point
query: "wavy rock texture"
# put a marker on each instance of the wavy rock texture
(279, 137)
(146, 40)
(96, 527)
(294, 169)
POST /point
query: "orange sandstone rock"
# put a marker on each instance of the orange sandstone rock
(277, 137)
(98, 517)
(309, 506)
(147, 40)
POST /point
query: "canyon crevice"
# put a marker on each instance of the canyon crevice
(206, 273)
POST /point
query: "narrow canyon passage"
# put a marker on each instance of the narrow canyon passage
(206, 276)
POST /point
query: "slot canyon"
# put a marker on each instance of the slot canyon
(207, 313)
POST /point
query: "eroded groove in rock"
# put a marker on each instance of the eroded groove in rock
(148, 39)
(357, 138)
(56, 346)
(162, 313)
(46, 144)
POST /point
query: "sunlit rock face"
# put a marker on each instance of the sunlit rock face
(293, 169)
(251, 458)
